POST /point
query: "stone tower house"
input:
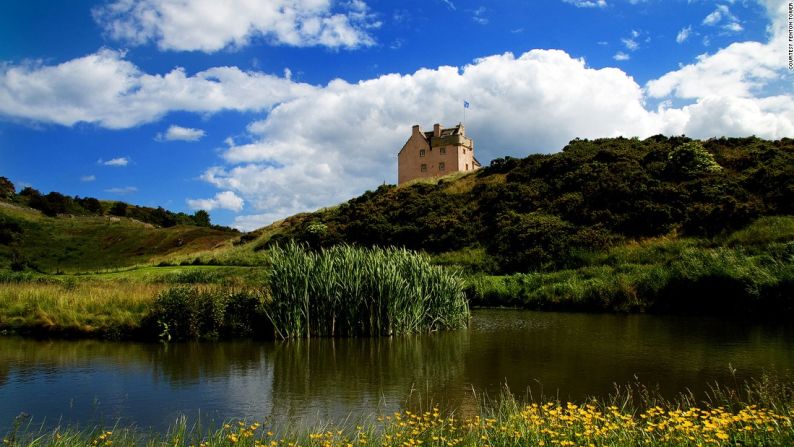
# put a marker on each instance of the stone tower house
(436, 153)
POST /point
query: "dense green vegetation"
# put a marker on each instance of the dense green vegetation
(760, 413)
(347, 291)
(540, 212)
(193, 313)
(747, 272)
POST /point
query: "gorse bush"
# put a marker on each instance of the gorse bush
(190, 313)
(347, 291)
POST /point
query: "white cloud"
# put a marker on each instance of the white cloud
(88, 178)
(723, 14)
(630, 44)
(449, 4)
(211, 25)
(179, 133)
(105, 89)
(120, 161)
(738, 71)
(716, 116)
(621, 56)
(122, 190)
(226, 200)
(684, 34)
(734, 27)
(478, 16)
(716, 16)
(587, 3)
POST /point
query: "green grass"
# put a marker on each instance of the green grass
(76, 308)
(348, 291)
(87, 243)
(764, 231)
(678, 275)
(759, 414)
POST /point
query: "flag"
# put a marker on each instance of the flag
(465, 104)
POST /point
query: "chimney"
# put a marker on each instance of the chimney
(415, 130)
(436, 130)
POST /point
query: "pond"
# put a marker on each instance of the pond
(563, 355)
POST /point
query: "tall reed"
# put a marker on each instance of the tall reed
(347, 291)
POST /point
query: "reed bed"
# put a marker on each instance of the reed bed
(347, 291)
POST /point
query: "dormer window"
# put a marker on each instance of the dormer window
(421, 152)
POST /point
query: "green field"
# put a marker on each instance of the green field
(96, 243)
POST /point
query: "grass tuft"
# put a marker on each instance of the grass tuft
(347, 291)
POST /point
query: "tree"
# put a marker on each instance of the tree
(7, 190)
(119, 209)
(202, 218)
(91, 205)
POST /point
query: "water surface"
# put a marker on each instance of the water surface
(565, 355)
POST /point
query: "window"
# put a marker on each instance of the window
(441, 166)
(442, 151)
(467, 166)
(424, 167)
(421, 152)
(464, 151)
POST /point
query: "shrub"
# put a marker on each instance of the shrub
(191, 313)
(690, 160)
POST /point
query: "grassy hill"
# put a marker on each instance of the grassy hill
(546, 212)
(69, 243)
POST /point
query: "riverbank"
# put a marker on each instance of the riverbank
(760, 413)
(342, 291)
(686, 280)
(747, 273)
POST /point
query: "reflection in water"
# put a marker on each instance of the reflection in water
(565, 355)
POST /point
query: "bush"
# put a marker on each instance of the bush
(191, 313)
(691, 160)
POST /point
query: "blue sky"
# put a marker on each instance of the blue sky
(255, 110)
